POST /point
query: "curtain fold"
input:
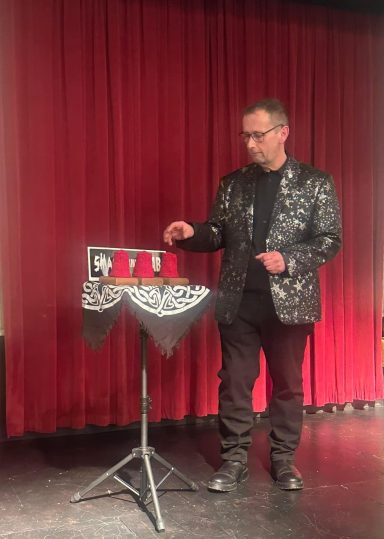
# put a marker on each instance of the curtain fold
(117, 117)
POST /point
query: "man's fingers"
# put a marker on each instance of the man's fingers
(272, 261)
(178, 230)
(260, 257)
(167, 236)
(272, 268)
(265, 257)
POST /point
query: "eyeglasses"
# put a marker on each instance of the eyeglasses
(257, 136)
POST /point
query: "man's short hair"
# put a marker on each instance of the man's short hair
(274, 107)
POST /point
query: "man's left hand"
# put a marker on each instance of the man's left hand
(272, 261)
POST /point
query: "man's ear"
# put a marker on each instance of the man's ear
(284, 132)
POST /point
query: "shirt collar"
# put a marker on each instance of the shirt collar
(279, 171)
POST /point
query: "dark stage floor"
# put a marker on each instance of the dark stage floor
(341, 458)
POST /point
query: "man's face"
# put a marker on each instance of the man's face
(269, 151)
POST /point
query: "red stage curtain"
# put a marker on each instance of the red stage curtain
(120, 116)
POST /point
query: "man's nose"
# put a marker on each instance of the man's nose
(251, 143)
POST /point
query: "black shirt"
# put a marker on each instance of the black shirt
(266, 187)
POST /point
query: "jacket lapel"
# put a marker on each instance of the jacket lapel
(288, 181)
(249, 200)
(249, 189)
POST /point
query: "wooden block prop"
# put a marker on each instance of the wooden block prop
(173, 281)
(119, 280)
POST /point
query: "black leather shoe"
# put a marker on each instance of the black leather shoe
(286, 475)
(228, 476)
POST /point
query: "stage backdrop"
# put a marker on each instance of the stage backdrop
(118, 117)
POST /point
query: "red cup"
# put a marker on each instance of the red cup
(143, 266)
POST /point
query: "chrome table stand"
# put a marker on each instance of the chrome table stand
(148, 488)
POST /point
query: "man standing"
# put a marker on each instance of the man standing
(277, 220)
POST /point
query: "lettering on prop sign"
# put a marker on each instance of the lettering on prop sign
(100, 260)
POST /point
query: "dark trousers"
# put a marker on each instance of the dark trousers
(257, 326)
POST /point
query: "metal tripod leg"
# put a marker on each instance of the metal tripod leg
(175, 471)
(159, 519)
(103, 477)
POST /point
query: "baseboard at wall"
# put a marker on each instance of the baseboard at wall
(93, 429)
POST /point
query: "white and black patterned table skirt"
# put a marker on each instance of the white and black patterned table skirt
(165, 312)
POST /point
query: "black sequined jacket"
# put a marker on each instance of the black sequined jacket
(305, 227)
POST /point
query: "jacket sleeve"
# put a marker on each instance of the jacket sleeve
(209, 236)
(325, 234)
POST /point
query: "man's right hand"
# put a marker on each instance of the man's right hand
(178, 230)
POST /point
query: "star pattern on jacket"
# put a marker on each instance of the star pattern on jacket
(305, 227)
